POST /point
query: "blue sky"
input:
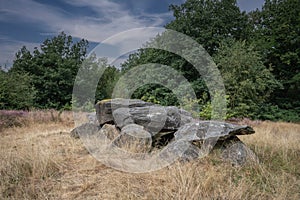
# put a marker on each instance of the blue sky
(30, 22)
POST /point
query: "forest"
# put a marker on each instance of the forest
(257, 53)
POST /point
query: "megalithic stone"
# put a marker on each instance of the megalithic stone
(105, 108)
(151, 116)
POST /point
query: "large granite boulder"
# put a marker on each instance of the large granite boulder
(236, 152)
(182, 151)
(219, 134)
(201, 130)
(153, 118)
(84, 129)
(109, 131)
(105, 108)
(134, 138)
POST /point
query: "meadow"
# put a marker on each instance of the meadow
(39, 160)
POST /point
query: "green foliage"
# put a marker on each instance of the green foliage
(156, 94)
(86, 81)
(107, 83)
(277, 36)
(227, 34)
(16, 91)
(95, 81)
(208, 112)
(248, 82)
(161, 93)
(53, 69)
(210, 21)
(268, 111)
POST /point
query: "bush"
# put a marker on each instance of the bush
(274, 113)
(247, 81)
(16, 91)
(10, 118)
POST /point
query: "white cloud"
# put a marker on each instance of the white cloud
(28, 11)
(111, 18)
(118, 20)
(125, 42)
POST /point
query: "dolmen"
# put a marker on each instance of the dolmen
(153, 127)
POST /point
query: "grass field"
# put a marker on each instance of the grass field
(39, 160)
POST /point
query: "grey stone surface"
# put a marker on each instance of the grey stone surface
(191, 153)
(92, 118)
(180, 150)
(105, 108)
(186, 117)
(84, 129)
(153, 118)
(201, 130)
(134, 138)
(122, 117)
(236, 152)
(109, 131)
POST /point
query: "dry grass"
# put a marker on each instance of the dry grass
(42, 161)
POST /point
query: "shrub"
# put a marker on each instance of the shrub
(10, 118)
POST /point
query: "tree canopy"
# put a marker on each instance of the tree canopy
(53, 69)
(45, 77)
(277, 36)
(210, 21)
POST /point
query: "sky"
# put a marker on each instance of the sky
(30, 22)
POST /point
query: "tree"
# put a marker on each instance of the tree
(95, 81)
(206, 21)
(107, 82)
(53, 69)
(248, 82)
(210, 21)
(157, 93)
(277, 36)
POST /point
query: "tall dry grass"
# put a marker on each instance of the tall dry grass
(41, 161)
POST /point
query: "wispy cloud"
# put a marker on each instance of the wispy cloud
(109, 18)
(112, 18)
(28, 11)
(116, 19)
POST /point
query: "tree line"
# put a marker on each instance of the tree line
(257, 54)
